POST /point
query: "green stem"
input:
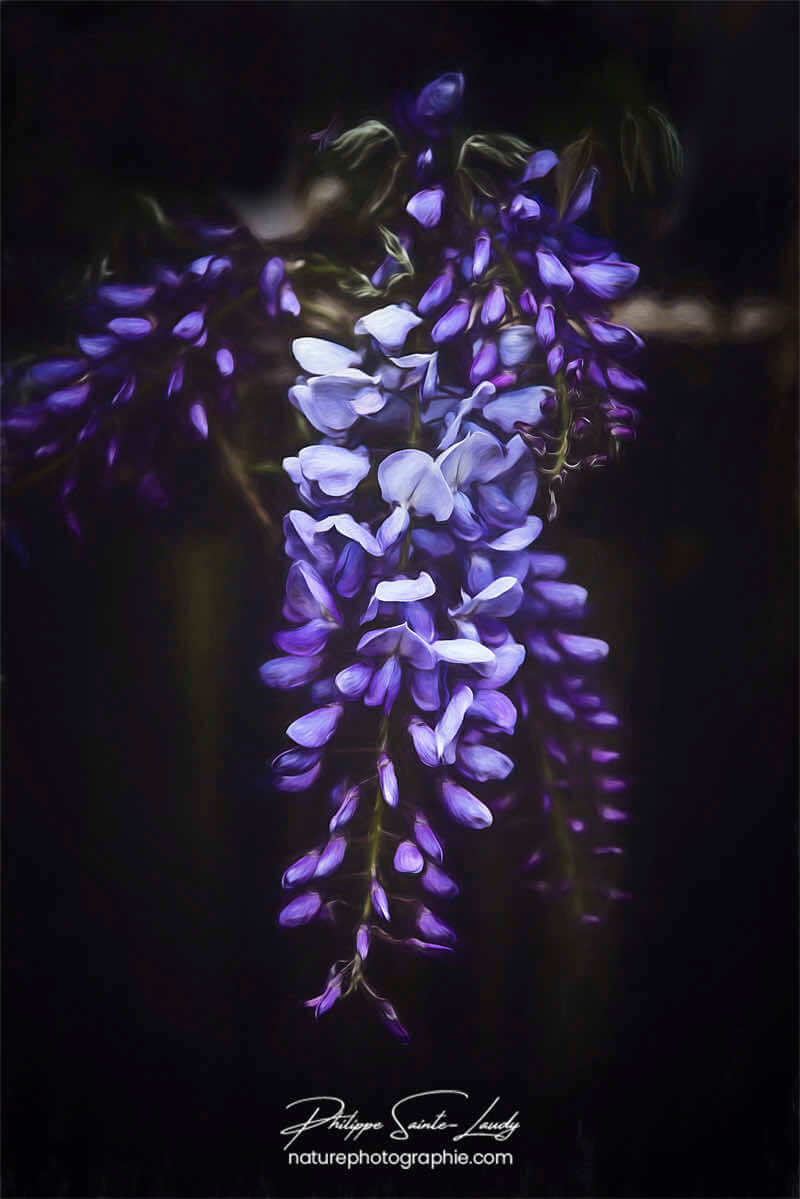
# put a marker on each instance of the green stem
(563, 839)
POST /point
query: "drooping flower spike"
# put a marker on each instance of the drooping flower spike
(438, 669)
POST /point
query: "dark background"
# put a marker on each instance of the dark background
(152, 1033)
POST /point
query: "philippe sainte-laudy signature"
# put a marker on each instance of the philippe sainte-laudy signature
(412, 1115)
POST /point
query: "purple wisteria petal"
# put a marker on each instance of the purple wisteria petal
(453, 717)
(379, 901)
(354, 680)
(507, 660)
(495, 709)
(433, 541)
(426, 837)
(307, 596)
(494, 306)
(523, 406)
(58, 370)
(412, 478)
(188, 327)
(436, 295)
(484, 363)
(463, 806)
(401, 641)
(316, 728)
(426, 206)
(452, 323)
(540, 164)
(390, 326)
(431, 926)
(622, 380)
(346, 810)
(525, 209)
(424, 741)
(425, 692)
(301, 870)
(438, 883)
(581, 198)
(309, 639)
(613, 337)
(300, 910)
(545, 324)
(392, 529)
(68, 399)
(384, 685)
(442, 98)
(481, 254)
(502, 597)
(331, 857)
(568, 599)
(408, 859)
(388, 780)
(131, 328)
(606, 280)
(584, 649)
(481, 762)
(518, 539)
(547, 566)
(362, 941)
(350, 570)
(199, 419)
(97, 346)
(286, 673)
(124, 296)
(552, 271)
(476, 457)
(345, 524)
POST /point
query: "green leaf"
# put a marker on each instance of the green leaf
(385, 187)
(670, 141)
(393, 246)
(357, 144)
(499, 147)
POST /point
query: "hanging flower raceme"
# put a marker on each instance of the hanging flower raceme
(436, 667)
(153, 361)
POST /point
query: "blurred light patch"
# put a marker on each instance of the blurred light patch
(694, 319)
(283, 212)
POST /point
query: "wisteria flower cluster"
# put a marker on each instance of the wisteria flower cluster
(416, 595)
(429, 639)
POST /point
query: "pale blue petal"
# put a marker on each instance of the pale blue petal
(412, 478)
(517, 344)
(518, 539)
(337, 471)
(390, 326)
(317, 356)
(524, 405)
(462, 650)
